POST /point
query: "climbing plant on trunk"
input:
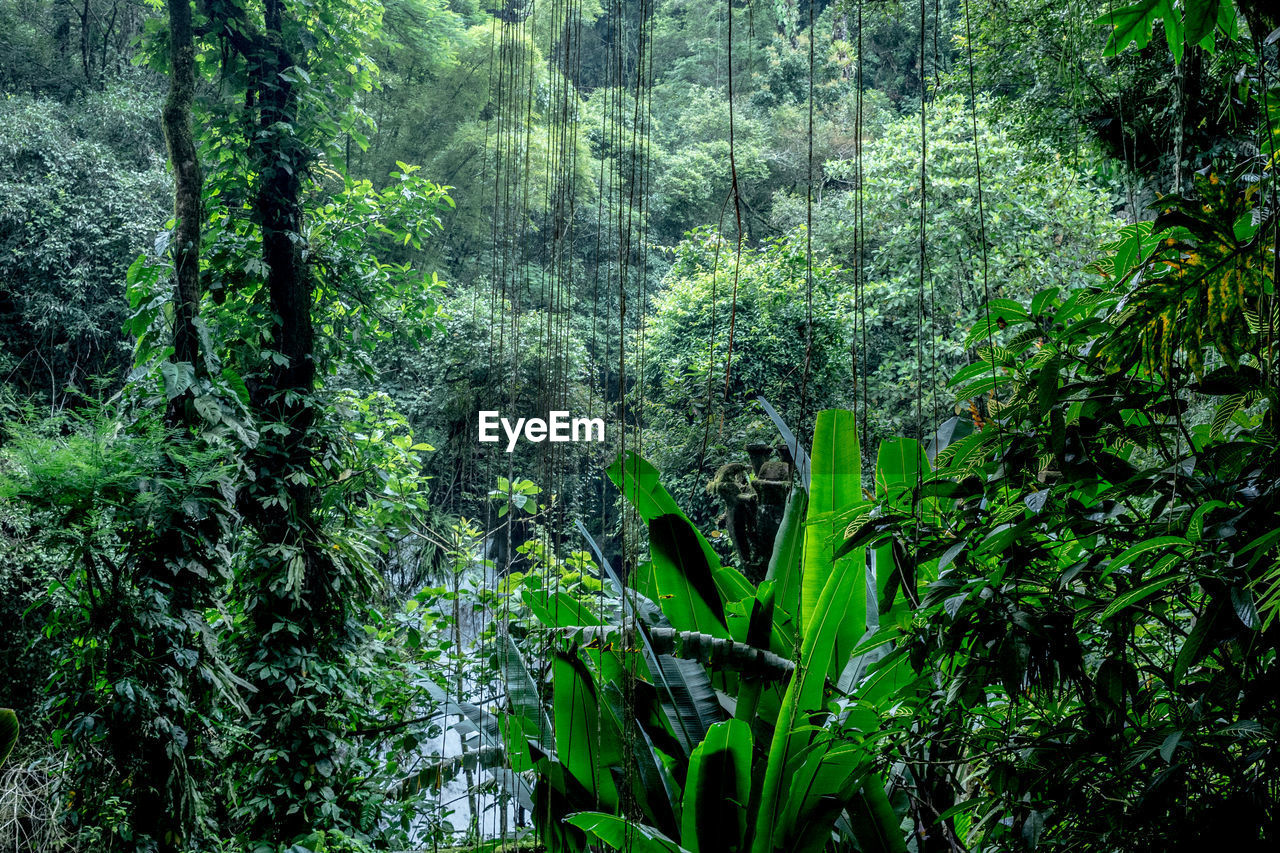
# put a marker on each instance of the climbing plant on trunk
(296, 293)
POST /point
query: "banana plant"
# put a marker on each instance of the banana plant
(652, 746)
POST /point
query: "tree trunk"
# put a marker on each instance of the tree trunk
(1262, 15)
(290, 535)
(188, 183)
(163, 810)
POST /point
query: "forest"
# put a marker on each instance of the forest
(662, 426)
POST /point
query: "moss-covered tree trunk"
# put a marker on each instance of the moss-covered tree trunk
(187, 183)
(296, 603)
(173, 565)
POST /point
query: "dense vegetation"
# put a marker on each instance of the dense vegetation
(936, 346)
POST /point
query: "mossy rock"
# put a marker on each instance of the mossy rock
(8, 732)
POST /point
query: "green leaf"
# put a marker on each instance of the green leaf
(785, 566)
(970, 372)
(688, 697)
(804, 696)
(208, 407)
(623, 834)
(1226, 411)
(886, 677)
(836, 485)
(1133, 24)
(638, 481)
(648, 780)
(588, 739)
(718, 789)
(661, 798)
(982, 386)
(1242, 603)
(900, 462)
(1174, 35)
(236, 384)
(557, 795)
(836, 489)
(1200, 18)
(1137, 594)
(1042, 300)
(178, 377)
(1009, 309)
(1195, 527)
(687, 590)
(132, 276)
(1132, 554)
(875, 824)
(558, 609)
(1193, 648)
(826, 780)
(1228, 24)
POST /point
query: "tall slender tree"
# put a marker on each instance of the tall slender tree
(188, 183)
(302, 592)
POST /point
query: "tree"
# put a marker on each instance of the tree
(724, 330)
(61, 50)
(188, 186)
(124, 520)
(1041, 222)
(1140, 121)
(84, 191)
(301, 594)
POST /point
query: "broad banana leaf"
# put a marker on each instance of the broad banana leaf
(885, 678)
(638, 482)
(556, 796)
(874, 823)
(688, 697)
(760, 633)
(588, 738)
(669, 785)
(557, 609)
(836, 488)
(784, 568)
(651, 785)
(685, 577)
(717, 791)
(900, 464)
(827, 776)
(802, 701)
(528, 719)
(623, 835)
